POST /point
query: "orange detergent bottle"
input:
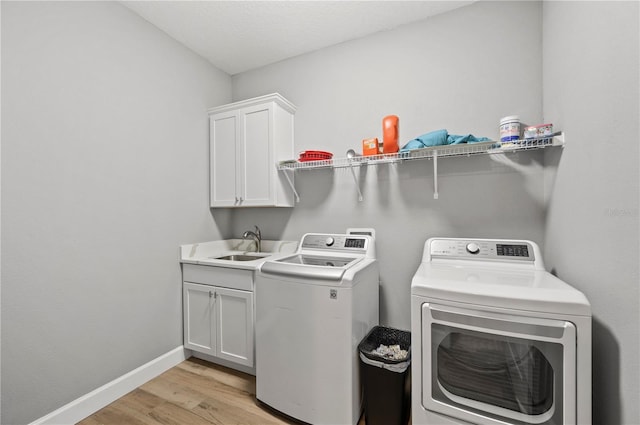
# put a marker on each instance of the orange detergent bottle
(390, 134)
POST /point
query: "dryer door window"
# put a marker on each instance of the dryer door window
(492, 368)
(508, 373)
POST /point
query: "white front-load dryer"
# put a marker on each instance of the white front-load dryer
(496, 339)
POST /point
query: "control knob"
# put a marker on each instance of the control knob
(473, 248)
(329, 241)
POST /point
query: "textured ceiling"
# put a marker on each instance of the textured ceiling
(237, 36)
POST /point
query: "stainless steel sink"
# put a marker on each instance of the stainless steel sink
(241, 257)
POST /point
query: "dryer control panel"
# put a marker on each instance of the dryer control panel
(482, 249)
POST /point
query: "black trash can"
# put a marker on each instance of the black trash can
(386, 381)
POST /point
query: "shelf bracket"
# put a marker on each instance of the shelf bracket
(295, 193)
(558, 140)
(435, 174)
(355, 180)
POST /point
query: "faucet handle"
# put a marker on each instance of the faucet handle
(258, 233)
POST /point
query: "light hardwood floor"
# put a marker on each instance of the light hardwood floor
(191, 393)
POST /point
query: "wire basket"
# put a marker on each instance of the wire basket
(314, 156)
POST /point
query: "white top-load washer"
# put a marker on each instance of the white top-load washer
(312, 310)
(496, 339)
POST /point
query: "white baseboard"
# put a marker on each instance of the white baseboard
(90, 403)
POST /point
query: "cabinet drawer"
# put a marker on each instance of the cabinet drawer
(218, 276)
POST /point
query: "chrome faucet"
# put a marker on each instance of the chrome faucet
(256, 236)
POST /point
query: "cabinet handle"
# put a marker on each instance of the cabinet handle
(215, 295)
(210, 294)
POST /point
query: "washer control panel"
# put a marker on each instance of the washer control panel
(337, 242)
(482, 249)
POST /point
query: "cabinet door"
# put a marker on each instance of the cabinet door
(223, 133)
(198, 306)
(234, 317)
(247, 138)
(257, 165)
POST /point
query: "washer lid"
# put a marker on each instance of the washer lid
(318, 260)
(516, 289)
(310, 266)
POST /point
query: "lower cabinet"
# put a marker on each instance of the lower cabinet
(218, 321)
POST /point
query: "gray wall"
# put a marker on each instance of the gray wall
(591, 56)
(462, 71)
(104, 174)
(453, 71)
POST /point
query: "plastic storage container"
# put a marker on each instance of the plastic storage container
(540, 131)
(386, 383)
(509, 129)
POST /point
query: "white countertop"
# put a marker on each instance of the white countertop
(205, 253)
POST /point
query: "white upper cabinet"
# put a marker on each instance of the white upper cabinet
(247, 139)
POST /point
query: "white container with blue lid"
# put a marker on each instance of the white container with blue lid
(509, 128)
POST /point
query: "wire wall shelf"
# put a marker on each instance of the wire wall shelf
(430, 153)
